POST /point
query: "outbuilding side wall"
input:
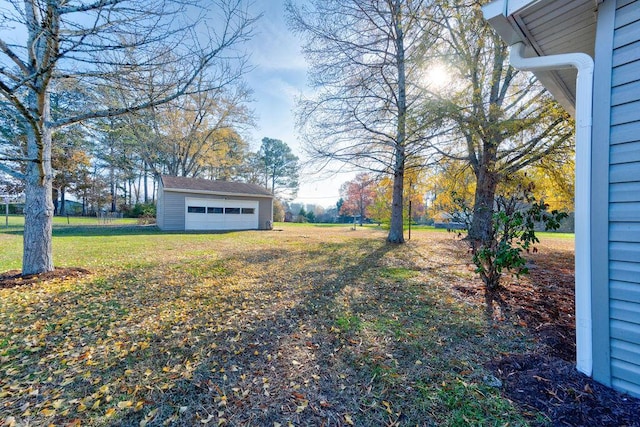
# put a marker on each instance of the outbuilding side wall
(160, 207)
(265, 213)
(173, 210)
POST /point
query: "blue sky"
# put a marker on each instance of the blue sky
(280, 75)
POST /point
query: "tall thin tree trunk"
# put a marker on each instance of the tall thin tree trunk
(62, 201)
(146, 183)
(273, 183)
(38, 254)
(55, 194)
(396, 228)
(112, 182)
(138, 189)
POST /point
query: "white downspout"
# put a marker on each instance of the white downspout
(584, 94)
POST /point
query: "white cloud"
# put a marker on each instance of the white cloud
(279, 77)
(275, 47)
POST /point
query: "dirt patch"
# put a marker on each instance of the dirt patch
(13, 278)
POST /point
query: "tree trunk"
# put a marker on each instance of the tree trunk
(37, 254)
(55, 194)
(396, 232)
(480, 231)
(112, 186)
(146, 183)
(273, 183)
(62, 201)
(396, 228)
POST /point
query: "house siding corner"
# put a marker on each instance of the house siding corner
(600, 193)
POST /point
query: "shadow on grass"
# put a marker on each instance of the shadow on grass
(317, 335)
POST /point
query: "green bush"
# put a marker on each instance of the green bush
(512, 234)
(142, 210)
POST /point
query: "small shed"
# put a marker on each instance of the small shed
(203, 204)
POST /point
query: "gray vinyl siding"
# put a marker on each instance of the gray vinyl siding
(600, 232)
(624, 199)
(265, 213)
(159, 208)
(174, 211)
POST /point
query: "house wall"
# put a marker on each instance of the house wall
(617, 128)
(172, 205)
(600, 193)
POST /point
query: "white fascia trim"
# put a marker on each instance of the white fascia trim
(584, 102)
(499, 13)
(496, 14)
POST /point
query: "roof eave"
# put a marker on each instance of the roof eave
(497, 14)
(217, 193)
(500, 15)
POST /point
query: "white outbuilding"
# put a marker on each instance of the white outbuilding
(203, 204)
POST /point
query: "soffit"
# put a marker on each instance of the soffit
(549, 27)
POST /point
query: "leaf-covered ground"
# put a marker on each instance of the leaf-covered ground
(303, 326)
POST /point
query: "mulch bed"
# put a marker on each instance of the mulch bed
(13, 278)
(566, 397)
(548, 382)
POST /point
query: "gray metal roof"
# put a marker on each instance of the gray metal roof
(548, 27)
(207, 186)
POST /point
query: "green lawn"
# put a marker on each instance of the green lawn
(17, 221)
(305, 325)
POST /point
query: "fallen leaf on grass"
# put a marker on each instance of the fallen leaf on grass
(150, 416)
(125, 404)
(302, 406)
(48, 412)
(208, 419)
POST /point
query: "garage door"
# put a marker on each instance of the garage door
(219, 214)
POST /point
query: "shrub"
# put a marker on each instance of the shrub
(140, 210)
(512, 233)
